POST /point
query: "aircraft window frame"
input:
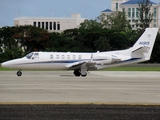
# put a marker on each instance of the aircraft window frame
(29, 56)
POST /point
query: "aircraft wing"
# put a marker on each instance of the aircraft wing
(78, 65)
(115, 59)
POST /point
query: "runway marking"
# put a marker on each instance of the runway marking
(79, 103)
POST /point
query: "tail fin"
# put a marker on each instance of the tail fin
(144, 45)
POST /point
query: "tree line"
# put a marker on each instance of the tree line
(105, 33)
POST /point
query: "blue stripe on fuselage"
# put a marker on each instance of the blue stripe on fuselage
(49, 62)
(73, 61)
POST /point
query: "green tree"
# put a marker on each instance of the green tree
(9, 44)
(91, 31)
(36, 39)
(90, 25)
(102, 43)
(75, 39)
(145, 16)
(6, 39)
(115, 20)
(18, 40)
(156, 50)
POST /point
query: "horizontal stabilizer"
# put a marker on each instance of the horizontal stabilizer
(144, 49)
(139, 52)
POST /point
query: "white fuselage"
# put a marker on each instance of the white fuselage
(64, 60)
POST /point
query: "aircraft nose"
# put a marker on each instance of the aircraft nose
(4, 64)
(10, 64)
(7, 64)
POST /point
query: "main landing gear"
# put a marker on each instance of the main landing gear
(19, 73)
(78, 73)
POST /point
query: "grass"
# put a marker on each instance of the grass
(4, 69)
(121, 68)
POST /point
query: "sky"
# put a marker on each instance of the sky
(90, 9)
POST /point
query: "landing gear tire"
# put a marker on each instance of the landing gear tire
(84, 75)
(19, 73)
(77, 73)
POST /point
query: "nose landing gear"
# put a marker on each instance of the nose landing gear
(19, 73)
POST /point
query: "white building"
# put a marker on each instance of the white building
(115, 4)
(131, 9)
(158, 12)
(107, 12)
(51, 24)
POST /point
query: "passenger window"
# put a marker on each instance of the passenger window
(79, 57)
(74, 57)
(63, 57)
(57, 56)
(68, 56)
(51, 56)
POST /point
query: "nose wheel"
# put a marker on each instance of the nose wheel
(19, 73)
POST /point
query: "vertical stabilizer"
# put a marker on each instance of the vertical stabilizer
(144, 45)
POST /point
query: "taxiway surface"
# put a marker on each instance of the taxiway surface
(63, 87)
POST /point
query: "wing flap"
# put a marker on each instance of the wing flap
(77, 65)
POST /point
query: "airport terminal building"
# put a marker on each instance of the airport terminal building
(51, 24)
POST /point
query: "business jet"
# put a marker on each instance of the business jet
(80, 63)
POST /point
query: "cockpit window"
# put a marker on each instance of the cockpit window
(29, 55)
(36, 55)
